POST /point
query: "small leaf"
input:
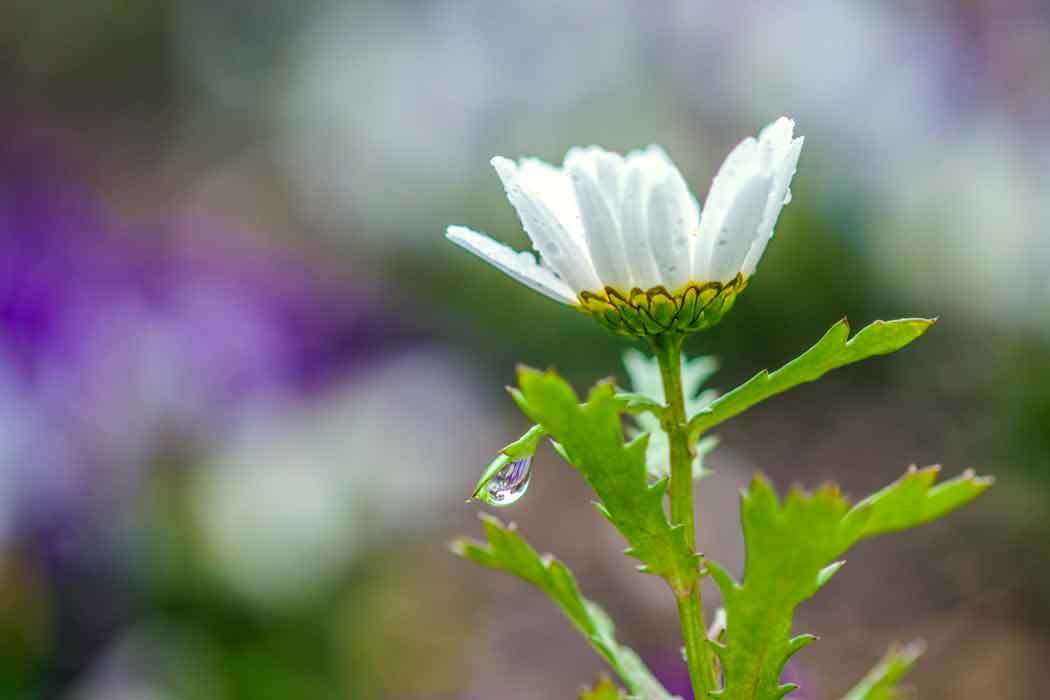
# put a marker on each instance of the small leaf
(525, 446)
(834, 350)
(791, 552)
(591, 438)
(881, 683)
(914, 499)
(506, 550)
(639, 403)
(604, 689)
(644, 373)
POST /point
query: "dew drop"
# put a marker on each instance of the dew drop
(509, 484)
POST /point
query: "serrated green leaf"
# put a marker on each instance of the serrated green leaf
(506, 550)
(834, 350)
(639, 404)
(915, 499)
(882, 682)
(644, 373)
(525, 446)
(604, 689)
(590, 436)
(792, 551)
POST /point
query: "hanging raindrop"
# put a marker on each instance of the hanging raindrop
(509, 484)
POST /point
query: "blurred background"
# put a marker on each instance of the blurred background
(245, 385)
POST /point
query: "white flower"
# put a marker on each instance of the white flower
(622, 238)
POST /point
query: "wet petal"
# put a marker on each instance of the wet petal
(601, 230)
(561, 250)
(739, 228)
(522, 266)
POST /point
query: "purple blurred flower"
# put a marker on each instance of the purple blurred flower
(118, 347)
(123, 349)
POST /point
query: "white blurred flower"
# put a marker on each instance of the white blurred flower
(368, 86)
(286, 507)
(644, 373)
(967, 236)
(625, 240)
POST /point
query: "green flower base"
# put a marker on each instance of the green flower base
(641, 313)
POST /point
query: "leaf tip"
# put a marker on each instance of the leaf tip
(523, 370)
(490, 519)
(825, 574)
(982, 481)
(759, 482)
(912, 650)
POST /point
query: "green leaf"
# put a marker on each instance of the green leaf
(590, 437)
(792, 548)
(506, 550)
(640, 404)
(525, 446)
(834, 350)
(881, 683)
(604, 689)
(644, 373)
(914, 499)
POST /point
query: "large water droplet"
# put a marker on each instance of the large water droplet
(509, 484)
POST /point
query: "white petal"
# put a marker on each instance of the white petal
(522, 266)
(780, 194)
(739, 228)
(778, 134)
(609, 169)
(740, 165)
(562, 250)
(634, 226)
(686, 201)
(600, 227)
(552, 186)
(605, 166)
(668, 235)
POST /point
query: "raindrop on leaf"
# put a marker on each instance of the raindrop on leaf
(509, 484)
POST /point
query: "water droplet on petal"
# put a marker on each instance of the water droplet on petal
(509, 484)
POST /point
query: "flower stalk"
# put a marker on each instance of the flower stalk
(699, 656)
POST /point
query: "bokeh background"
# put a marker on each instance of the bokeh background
(245, 385)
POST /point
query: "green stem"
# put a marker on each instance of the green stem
(699, 656)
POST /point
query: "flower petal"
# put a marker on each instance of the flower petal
(552, 186)
(662, 166)
(739, 227)
(600, 227)
(634, 226)
(522, 266)
(560, 249)
(606, 167)
(668, 234)
(785, 153)
(739, 166)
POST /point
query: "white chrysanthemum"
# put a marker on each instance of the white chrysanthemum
(624, 239)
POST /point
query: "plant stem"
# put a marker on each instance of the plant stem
(699, 656)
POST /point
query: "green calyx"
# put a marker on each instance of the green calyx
(643, 313)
